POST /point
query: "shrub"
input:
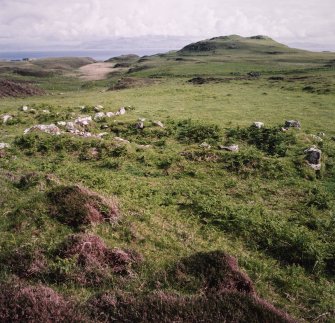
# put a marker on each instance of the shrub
(192, 132)
(272, 141)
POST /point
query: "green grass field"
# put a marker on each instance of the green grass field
(263, 205)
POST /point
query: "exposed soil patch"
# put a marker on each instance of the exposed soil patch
(15, 89)
(94, 261)
(131, 82)
(24, 303)
(77, 206)
(96, 71)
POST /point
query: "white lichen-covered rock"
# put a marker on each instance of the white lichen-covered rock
(230, 148)
(313, 157)
(24, 108)
(102, 134)
(61, 123)
(51, 129)
(205, 145)
(292, 124)
(98, 108)
(46, 111)
(143, 146)
(99, 116)
(118, 139)
(121, 111)
(70, 126)
(6, 117)
(110, 114)
(158, 124)
(141, 119)
(4, 145)
(83, 121)
(258, 124)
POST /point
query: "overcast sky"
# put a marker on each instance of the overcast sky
(27, 24)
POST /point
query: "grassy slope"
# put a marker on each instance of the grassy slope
(161, 218)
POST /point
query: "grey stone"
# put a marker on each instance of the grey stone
(258, 124)
(230, 148)
(313, 157)
(292, 124)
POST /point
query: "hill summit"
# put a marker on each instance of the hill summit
(258, 43)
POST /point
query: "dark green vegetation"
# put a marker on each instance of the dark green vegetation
(147, 230)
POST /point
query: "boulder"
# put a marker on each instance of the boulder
(292, 124)
(122, 140)
(121, 111)
(98, 108)
(51, 129)
(83, 121)
(6, 117)
(110, 114)
(313, 157)
(139, 125)
(258, 124)
(99, 116)
(205, 145)
(229, 148)
(4, 145)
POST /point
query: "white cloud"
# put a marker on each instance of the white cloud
(42, 22)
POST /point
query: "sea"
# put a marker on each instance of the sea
(99, 55)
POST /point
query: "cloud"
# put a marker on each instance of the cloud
(44, 22)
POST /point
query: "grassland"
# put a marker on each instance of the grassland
(263, 205)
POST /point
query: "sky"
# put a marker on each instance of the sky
(43, 24)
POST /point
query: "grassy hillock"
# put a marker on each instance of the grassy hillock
(129, 219)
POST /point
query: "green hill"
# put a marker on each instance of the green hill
(157, 195)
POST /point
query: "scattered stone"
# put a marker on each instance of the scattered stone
(61, 123)
(83, 121)
(316, 138)
(141, 119)
(46, 111)
(110, 114)
(99, 116)
(158, 124)
(6, 117)
(121, 111)
(122, 140)
(102, 134)
(321, 134)
(313, 157)
(292, 124)
(139, 125)
(230, 148)
(98, 108)
(24, 108)
(143, 146)
(205, 145)
(258, 124)
(4, 145)
(51, 129)
(70, 126)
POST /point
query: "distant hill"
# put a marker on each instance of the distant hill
(261, 44)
